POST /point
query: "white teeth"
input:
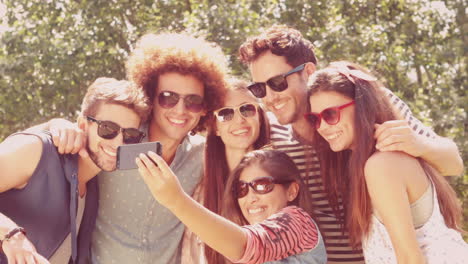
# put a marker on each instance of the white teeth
(279, 106)
(333, 136)
(240, 131)
(110, 153)
(177, 121)
(256, 210)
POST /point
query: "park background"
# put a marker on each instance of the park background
(51, 50)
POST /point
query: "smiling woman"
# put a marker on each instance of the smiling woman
(263, 193)
(400, 208)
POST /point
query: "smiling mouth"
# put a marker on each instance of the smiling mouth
(240, 132)
(278, 106)
(177, 121)
(334, 135)
(256, 210)
(109, 152)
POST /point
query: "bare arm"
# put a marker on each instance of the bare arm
(19, 157)
(410, 136)
(18, 249)
(222, 235)
(386, 175)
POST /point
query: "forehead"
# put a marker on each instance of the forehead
(117, 113)
(251, 172)
(179, 83)
(268, 65)
(322, 100)
(238, 97)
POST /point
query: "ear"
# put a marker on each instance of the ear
(293, 191)
(82, 123)
(309, 68)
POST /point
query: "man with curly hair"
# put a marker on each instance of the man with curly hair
(280, 61)
(183, 77)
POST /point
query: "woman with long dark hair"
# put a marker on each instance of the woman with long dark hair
(401, 209)
(239, 125)
(264, 193)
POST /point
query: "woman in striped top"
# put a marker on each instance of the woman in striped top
(402, 209)
(264, 191)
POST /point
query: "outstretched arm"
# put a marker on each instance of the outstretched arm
(410, 136)
(224, 236)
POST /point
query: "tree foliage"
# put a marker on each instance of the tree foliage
(53, 49)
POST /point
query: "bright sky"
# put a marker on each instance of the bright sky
(3, 26)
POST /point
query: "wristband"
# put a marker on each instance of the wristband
(13, 232)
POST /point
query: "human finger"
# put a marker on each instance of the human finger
(70, 141)
(400, 130)
(380, 128)
(159, 161)
(29, 259)
(62, 142)
(392, 139)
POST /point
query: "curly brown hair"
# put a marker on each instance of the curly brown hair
(156, 54)
(281, 40)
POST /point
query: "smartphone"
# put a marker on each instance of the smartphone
(126, 154)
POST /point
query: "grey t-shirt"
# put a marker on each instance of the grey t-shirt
(132, 227)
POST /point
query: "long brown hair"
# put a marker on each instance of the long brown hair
(343, 172)
(216, 167)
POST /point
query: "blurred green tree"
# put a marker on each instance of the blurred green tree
(51, 50)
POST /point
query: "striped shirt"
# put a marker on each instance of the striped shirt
(337, 244)
(289, 232)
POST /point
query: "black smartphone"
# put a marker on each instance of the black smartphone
(126, 154)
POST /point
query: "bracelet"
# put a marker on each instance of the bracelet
(13, 232)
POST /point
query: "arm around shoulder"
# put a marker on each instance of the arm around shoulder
(19, 157)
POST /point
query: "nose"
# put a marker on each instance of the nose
(180, 106)
(117, 141)
(251, 196)
(238, 117)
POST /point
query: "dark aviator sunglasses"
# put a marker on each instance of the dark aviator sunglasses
(109, 130)
(277, 83)
(193, 102)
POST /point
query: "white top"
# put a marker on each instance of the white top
(439, 243)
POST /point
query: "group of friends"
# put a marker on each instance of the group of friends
(301, 165)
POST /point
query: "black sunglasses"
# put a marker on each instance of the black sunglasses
(277, 83)
(260, 185)
(109, 130)
(193, 102)
(330, 115)
(227, 113)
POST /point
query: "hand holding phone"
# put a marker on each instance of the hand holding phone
(126, 154)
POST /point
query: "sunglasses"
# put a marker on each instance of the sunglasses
(109, 130)
(277, 83)
(227, 113)
(193, 102)
(330, 115)
(260, 185)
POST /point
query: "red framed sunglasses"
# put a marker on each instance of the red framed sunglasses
(330, 115)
